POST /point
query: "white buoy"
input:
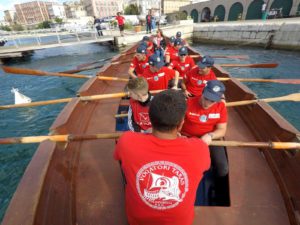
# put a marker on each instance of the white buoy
(20, 98)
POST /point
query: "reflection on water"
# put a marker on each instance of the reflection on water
(37, 120)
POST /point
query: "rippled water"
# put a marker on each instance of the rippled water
(37, 120)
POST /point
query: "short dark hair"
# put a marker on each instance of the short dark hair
(167, 110)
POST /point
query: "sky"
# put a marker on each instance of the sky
(9, 4)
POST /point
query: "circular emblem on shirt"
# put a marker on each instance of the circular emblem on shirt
(161, 184)
(156, 78)
(182, 68)
(199, 82)
(203, 118)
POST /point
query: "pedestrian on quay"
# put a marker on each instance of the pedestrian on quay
(149, 19)
(121, 23)
(97, 24)
(161, 170)
(264, 11)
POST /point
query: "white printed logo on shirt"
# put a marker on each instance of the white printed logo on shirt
(214, 115)
(161, 184)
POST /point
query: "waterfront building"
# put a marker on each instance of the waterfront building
(170, 6)
(10, 16)
(32, 13)
(231, 10)
(75, 9)
(102, 8)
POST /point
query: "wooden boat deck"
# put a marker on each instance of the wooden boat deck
(80, 183)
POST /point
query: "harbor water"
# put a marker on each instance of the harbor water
(37, 120)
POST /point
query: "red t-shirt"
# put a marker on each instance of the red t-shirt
(199, 121)
(196, 82)
(172, 52)
(158, 80)
(150, 47)
(183, 67)
(140, 114)
(139, 66)
(121, 20)
(162, 177)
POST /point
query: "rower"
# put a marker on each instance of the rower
(158, 76)
(206, 118)
(172, 54)
(150, 46)
(196, 79)
(179, 36)
(162, 171)
(140, 99)
(184, 62)
(139, 62)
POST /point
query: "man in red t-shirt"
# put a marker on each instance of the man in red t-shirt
(139, 62)
(196, 79)
(184, 62)
(179, 35)
(172, 53)
(150, 45)
(162, 171)
(140, 99)
(206, 118)
(121, 22)
(158, 76)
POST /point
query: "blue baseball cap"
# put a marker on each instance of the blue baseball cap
(146, 38)
(172, 39)
(178, 34)
(206, 61)
(142, 49)
(178, 41)
(183, 51)
(155, 60)
(214, 90)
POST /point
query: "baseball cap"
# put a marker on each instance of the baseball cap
(172, 39)
(146, 38)
(214, 90)
(183, 51)
(178, 41)
(178, 34)
(142, 49)
(155, 60)
(206, 61)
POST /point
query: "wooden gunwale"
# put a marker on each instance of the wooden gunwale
(65, 189)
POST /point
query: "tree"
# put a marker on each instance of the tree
(44, 25)
(58, 20)
(17, 27)
(131, 9)
(6, 28)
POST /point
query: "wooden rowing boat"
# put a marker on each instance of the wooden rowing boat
(80, 183)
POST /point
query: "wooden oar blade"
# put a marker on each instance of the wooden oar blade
(259, 65)
(286, 81)
(16, 70)
(242, 57)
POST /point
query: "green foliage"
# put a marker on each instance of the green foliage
(58, 20)
(132, 9)
(128, 26)
(6, 28)
(17, 27)
(113, 23)
(44, 25)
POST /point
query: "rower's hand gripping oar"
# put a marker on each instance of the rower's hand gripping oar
(83, 137)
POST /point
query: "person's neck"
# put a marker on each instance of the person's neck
(168, 135)
(144, 98)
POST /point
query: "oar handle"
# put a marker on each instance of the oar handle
(273, 145)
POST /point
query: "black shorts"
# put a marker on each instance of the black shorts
(121, 27)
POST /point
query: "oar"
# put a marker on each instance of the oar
(243, 57)
(292, 97)
(25, 71)
(259, 65)
(64, 100)
(83, 137)
(101, 60)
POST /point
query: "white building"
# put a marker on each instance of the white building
(102, 8)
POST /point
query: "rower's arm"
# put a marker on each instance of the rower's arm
(131, 73)
(183, 88)
(176, 79)
(218, 133)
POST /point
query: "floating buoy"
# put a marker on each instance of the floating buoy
(19, 97)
